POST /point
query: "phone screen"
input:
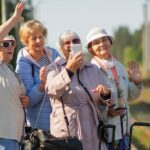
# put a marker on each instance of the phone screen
(75, 48)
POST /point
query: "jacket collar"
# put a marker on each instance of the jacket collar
(28, 56)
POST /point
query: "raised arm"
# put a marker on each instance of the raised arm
(11, 22)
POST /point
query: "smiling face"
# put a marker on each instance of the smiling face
(32, 34)
(101, 47)
(7, 50)
(36, 41)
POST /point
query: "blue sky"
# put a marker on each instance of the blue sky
(81, 15)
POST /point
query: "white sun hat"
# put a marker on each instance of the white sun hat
(95, 33)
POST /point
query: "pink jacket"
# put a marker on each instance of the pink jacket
(81, 113)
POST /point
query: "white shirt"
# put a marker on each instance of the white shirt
(11, 110)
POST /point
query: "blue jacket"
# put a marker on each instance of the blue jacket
(28, 70)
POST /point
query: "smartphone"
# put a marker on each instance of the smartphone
(75, 48)
(118, 108)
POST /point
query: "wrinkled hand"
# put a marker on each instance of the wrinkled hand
(24, 100)
(18, 11)
(112, 112)
(134, 72)
(102, 89)
(42, 77)
(75, 62)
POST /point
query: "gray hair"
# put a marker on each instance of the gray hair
(69, 34)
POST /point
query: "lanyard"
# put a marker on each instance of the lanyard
(115, 75)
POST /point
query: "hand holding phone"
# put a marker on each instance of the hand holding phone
(120, 108)
(75, 48)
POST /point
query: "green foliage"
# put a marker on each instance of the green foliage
(122, 38)
(137, 38)
(131, 53)
(127, 46)
(141, 143)
(140, 111)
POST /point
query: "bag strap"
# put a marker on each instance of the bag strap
(65, 116)
(116, 78)
(86, 90)
(40, 111)
(38, 116)
(63, 107)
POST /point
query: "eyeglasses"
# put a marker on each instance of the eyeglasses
(74, 41)
(7, 44)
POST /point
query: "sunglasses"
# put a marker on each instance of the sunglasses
(74, 41)
(7, 44)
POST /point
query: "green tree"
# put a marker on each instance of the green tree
(129, 54)
(122, 38)
(137, 44)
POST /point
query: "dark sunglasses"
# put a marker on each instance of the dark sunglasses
(74, 41)
(7, 44)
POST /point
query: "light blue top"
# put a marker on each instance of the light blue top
(28, 70)
(130, 92)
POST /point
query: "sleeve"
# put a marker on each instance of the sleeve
(23, 89)
(57, 82)
(24, 70)
(134, 91)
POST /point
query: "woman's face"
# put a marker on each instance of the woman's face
(66, 48)
(101, 47)
(6, 51)
(36, 41)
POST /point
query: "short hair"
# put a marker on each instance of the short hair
(66, 34)
(30, 27)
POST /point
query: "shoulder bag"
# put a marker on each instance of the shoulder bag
(38, 139)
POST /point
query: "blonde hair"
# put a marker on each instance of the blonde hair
(30, 27)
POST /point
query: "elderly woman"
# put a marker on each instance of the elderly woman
(30, 59)
(12, 99)
(78, 85)
(127, 87)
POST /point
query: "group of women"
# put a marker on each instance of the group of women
(48, 83)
